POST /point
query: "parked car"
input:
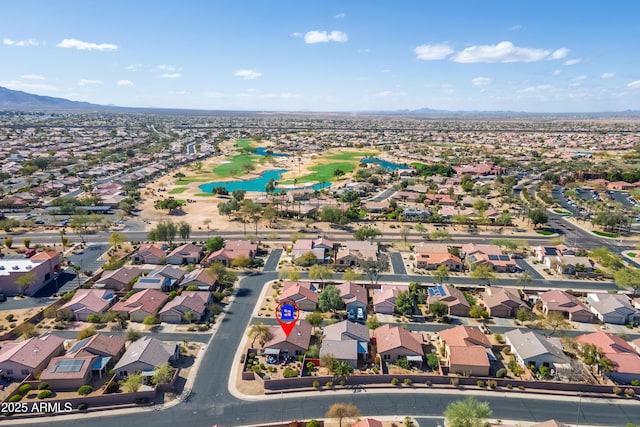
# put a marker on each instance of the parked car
(360, 315)
(29, 253)
(3, 297)
(352, 314)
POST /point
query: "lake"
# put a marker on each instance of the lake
(384, 163)
(256, 184)
(265, 151)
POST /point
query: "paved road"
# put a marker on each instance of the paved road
(211, 403)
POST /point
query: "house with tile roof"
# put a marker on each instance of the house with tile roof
(384, 302)
(141, 304)
(185, 254)
(194, 302)
(200, 277)
(233, 249)
(354, 296)
(64, 373)
(467, 350)
(20, 359)
(394, 342)
(86, 302)
(296, 344)
(490, 255)
(146, 354)
(352, 251)
(452, 297)
(150, 253)
(613, 308)
(625, 360)
(558, 301)
(501, 302)
(120, 279)
(301, 293)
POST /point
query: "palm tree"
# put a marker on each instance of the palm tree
(467, 413)
(261, 331)
(342, 371)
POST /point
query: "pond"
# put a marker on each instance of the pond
(256, 184)
(384, 163)
(266, 151)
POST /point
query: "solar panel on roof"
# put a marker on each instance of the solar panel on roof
(77, 346)
(504, 258)
(67, 365)
(440, 290)
(493, 257)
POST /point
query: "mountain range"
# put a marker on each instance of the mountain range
(22, 101)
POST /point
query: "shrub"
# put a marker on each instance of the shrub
(501, 373)
(480, 383)
(93, 318)
(492, 383)
(112, 387)
(427, 383)
(509, 386)
(9, 317)
(407, 381)
(24, 389)
(43, 386)
(44, 394)
(395, 381)
(455, 382)
(15, 398)
(313, 423)
(84, 390)
(629, 392)
(329, 384)
(82, 406)
(635, 383)
(521, 387)
(315, 384)
(342, 383)
(290, 372)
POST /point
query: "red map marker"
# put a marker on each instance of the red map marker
(287, 314)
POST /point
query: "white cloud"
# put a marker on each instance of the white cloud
(29, 87)
(572, 62)
(505, 52)
(607, 75)
(634, 84)
(33, 77)
(80, 45)
(557, 72)
(180, 92)
(431, 52)
(165, 67)
(481, 81)
(248, 74)
(20, 43)
(515, 27)
(579, 78)
(171, 75)
(124, 83)
(388, 93)
(538, 88)
(560, 53)
(87, 82)
(312, 37)
(136, 67)
(340, 15)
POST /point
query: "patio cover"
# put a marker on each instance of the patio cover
(362, 347)
(272, 351)
(414, 359)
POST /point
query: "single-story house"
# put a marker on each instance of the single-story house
(533, 350)
(394, 342)
(144, 355)
(200, 277)
(612, 308)
(86, 302)
(625, 360)
(185, 254)
(354, 296)
(558, 301)
(195, 302)
(150, 253)
(120, 278)
(232, 250)
(19, 360)
(501, 302)
(301, 293)
(452, 297)
(296, 344)
(173, 274)
(70, 373)
(467, 350)
(384, 302)
(141, 304)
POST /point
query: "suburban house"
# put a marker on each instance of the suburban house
(233, 249)
(140, 305)
(569, 264)
(354, 296)
(19, 360)
(612, 308)
(120, 278)
(352, 251)
(150, 253)
(347, 341)
(490, 255)
(384, 302)
(159, 283)
(194, 302)
(200, 277)
(467, 350)
(542, 253)
(86, 302)
(185, 254)
(296, 344)
(533, 350)
(109, 346)
(367, 422)
(65, 373)
(394, 342)
(318, 247)
(451, 296)
(301, 293)
(44, 265)
(501, 302)
(144, 355)
(432, 255)
(173, 274)
(557, 301)
(625, 360)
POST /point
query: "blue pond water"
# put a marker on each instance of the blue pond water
(384, 163)
(262, 151)
(256, 184)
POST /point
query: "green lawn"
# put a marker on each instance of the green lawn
(545, 232)
(177, 190)
(631, 254)
(245, 145)
(235, 164)
(603, 234)
(205, 195)
(351, 155)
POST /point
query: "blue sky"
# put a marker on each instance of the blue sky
(537, 56)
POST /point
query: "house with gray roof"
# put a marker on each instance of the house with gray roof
(533, 350)
(144, 355)
(346, 341)
(612, 308)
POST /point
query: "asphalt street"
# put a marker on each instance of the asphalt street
(211, 403)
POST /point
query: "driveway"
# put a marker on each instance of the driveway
(397, 263)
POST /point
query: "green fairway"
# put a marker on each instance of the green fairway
(178, 190)
(351, 155)
(245, 145)
(235, 166)
(205, 195)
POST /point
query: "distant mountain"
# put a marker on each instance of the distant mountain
(18, 100)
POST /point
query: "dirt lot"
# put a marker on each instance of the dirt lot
(19, 316)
